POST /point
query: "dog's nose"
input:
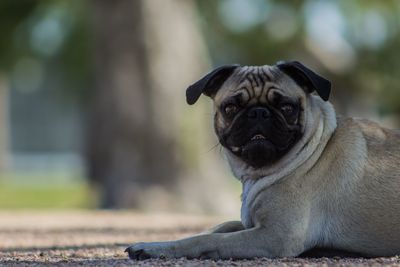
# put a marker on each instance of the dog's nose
(258, 113)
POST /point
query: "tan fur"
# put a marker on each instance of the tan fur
(338, 187)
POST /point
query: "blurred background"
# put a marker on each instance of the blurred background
(92, 93)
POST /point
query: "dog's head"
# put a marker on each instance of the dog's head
(259, 110)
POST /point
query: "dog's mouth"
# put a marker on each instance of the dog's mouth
(257, 138)
(257, 151)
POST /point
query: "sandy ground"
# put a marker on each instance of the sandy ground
(99, 239)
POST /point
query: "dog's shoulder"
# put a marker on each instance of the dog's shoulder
(377, 140)
(382, 144)
(370, 130)
(374, 132)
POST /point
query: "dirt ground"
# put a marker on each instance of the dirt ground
(99, 239)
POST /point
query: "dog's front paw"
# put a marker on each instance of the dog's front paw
(143, 251)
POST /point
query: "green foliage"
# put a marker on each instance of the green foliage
(12, 14)
(369, 32)
(279, 30)
(53, 33)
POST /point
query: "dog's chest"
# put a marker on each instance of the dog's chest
(245, 213)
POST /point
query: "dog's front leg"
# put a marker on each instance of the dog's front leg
(248, 243)
(226, 227)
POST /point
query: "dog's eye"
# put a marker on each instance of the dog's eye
(230, 109)
(287, 109)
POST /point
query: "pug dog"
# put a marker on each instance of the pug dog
(310, 179)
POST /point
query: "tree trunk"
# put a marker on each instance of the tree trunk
(146, 148)
(126, 152)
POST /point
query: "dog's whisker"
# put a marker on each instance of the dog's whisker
(213, 147)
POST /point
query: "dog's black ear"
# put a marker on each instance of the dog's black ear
(209, 84)
(306, 78)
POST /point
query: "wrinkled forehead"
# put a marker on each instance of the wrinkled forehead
(258, 84)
